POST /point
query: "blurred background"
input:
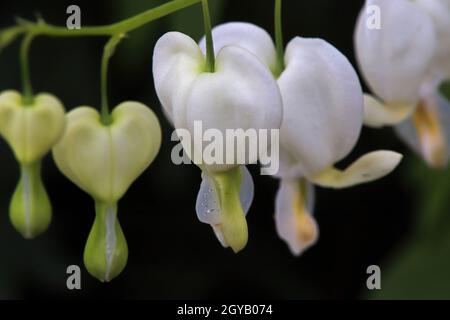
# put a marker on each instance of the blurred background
(401, 223)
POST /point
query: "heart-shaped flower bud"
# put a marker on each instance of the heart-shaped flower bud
(104, 160)
(31, 131)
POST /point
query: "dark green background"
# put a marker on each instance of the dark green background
(401, 223)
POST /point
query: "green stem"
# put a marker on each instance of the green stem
(210, 56)
(25, 68)
(107, 54)
(124, 26)
(279, 38)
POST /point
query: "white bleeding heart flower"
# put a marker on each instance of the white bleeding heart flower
(403, 67)
(240, 94)
(322, 120)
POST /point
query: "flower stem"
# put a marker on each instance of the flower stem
(108, 52)
(25, 68)
(210, 56)
(279, 38)
(125, 26)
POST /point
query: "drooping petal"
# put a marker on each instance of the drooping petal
(247, 36)
(293, 217)
(428, 131)
(378, 115)
(323, 104)
(395, 59)
(370, 167)
(209, 206)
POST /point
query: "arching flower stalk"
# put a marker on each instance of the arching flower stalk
(322, 120)
(404, 67)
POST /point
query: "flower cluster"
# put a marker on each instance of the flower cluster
(237, 78)
(322, 114)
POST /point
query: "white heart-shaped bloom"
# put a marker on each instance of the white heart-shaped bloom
(240, 94)
(322, 96)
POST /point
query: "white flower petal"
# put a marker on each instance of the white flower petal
(395, 58)
(207, 205)
(294, 221)
(323, 104)
(439, 10)
(240, 94)
(370, 167)
(377, 114)
(245, 35)
(177, 60)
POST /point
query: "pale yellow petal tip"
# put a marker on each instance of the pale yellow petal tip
(370, 167)
(307, 234)
(237, 244)
(378, 115)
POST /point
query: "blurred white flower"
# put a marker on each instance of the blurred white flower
(403, 63)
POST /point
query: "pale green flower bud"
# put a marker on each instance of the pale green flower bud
(31, 131)
(104, 160)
